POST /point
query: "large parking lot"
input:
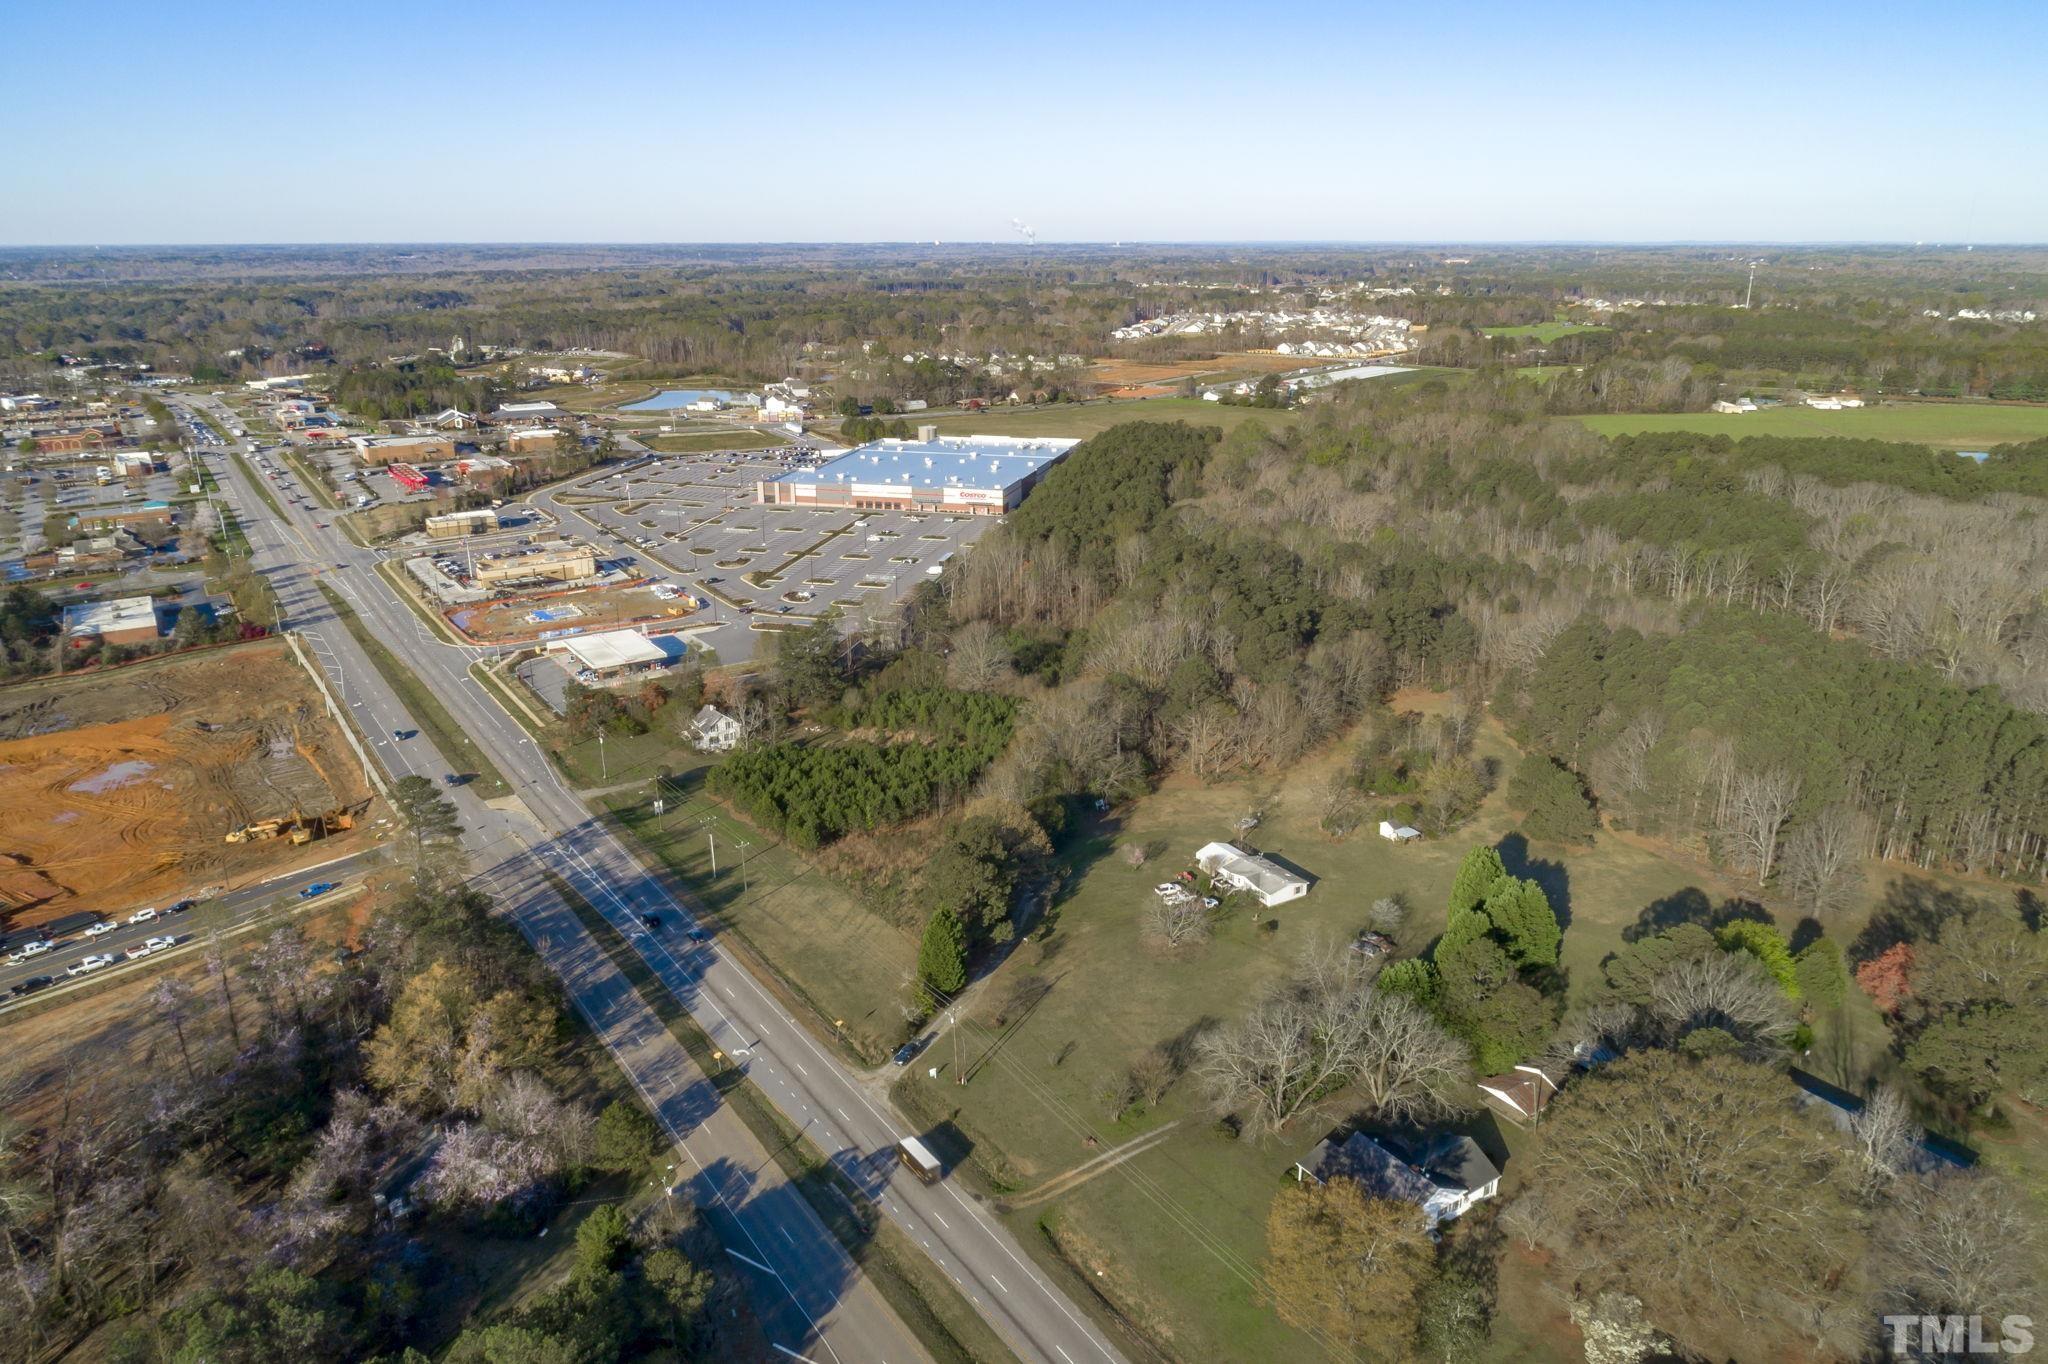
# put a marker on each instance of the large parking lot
(694, 515)
(34, 493)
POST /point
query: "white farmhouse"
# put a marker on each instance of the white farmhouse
(1272, 883)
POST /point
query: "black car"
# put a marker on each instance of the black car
(651, 920)
(907, 1053)
(31, 985)
(180, 907)
(699, 935)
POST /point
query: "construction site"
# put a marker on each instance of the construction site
(162, 780)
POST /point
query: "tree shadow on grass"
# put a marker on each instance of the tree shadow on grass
(1555, 879)
(1913, 910)
(1690, 906)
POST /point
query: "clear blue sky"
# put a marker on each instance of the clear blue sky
(430, 121)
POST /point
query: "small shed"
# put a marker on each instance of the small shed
(1398, 833)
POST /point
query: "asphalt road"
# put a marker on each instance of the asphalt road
(811, 1298)
(225, 912)
(857, 1130)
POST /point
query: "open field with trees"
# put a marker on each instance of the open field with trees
(1093, 418)
(1723, 742)
(1946, 426)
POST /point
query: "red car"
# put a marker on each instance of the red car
(83, 586)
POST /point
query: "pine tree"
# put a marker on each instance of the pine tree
(1476, 875)
(1522, 915)
(942, 957)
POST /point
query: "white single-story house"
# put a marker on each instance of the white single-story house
(1444, 1173)
(1398, 833)
(1272, 883)
(712, 730)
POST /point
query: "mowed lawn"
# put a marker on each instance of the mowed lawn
(850, 965)
(1092, 418)
(1178, 1232)
(1947, 426)
(717, 438)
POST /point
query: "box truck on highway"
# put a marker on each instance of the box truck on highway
(919, 1160)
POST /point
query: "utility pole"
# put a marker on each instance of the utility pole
(743, 845)
(1750, 292)
(952, 1026)
(604, 772)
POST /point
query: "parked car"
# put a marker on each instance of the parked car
(1373, 946)
(30, 950)
(142, 916)
(1167, 890)
(699, 935)
(653, 921)
(907, 1053)
(100, 929)
(91, 963)
(317, 888)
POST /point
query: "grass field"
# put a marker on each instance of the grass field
(724, 438)
(1946, 426)
(1089, 419)
(1177, 1233)
(850, 965)
(1543, 333)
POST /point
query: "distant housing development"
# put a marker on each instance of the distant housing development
(964, 475)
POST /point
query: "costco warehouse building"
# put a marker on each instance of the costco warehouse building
(958, 475)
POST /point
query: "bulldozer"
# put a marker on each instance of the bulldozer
(296, 828)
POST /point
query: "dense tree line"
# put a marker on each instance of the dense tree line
(813, 793)
(417, 388)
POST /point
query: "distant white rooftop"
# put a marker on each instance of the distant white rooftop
(613, 649)
(537, 409)
(955, 461)
(117, 613)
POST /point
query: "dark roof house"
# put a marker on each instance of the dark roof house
(1443, 1173)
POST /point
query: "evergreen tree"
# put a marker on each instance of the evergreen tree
(1476, 875)
(1764, 942)
(1522, 916)
(942, 957)
(1559, 811)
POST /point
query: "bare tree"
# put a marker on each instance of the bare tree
(1387, 915)
(1819, 855)
(979, 657)
(1728, 990)
(1885, 1134)
(1961, 1243)
(1325, 1028)
(172, 1001)
(1181, 921)
(217, 967)
(1760, 801)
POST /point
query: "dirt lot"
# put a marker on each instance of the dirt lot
(1121, 373)
(115, 789)
(590, 611)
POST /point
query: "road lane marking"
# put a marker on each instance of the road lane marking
(745, 1261)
